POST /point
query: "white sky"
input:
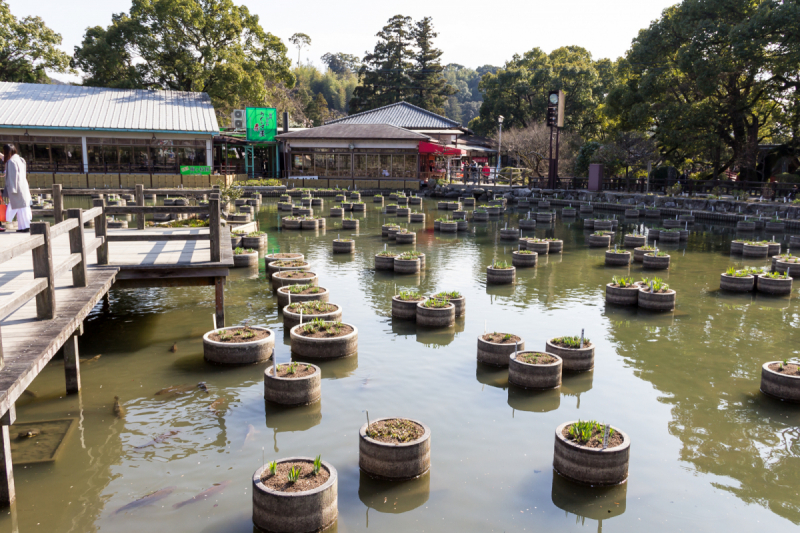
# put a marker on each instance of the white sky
(470, 32)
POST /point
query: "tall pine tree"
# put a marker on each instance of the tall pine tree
(384, 74)
(430, 89)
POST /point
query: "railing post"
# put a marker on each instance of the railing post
(140, 202)
(58, 203)
(214, 228)
(77, 246)
(43, 268)
(101, 231)
(7, 491)
(72, 364)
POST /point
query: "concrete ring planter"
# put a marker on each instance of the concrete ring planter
(275, 266)
(521, 260)
(390, 209)
(406, 266)
(453, 206)
(236, 241)
(340, 198)
(652, 213)
(745, 226)
(448, 227)
(317, 202)
(509, 234)
(500, 276)
(657, 301)
(480, 216)
(344, 246)
(544, 204)
(347, 206)
(653, 234)
(669, 236)
(404, 309)
(671, 223)
(337, 212)
(569, 212)
(633, 213)
(574, 359)
(291, 319)
(287, 223)
(349, 223)
(737, 283)
(355, 196)
(638, 254)
(392, 236)
(293, 391)
(295, 512)
(545, 218)
(384, 262)
(310, 224)
(602, 225)
(586, 208)
(283, 296)
(385, 229)
(622, 295)
(534, 376)
(527, 224)
(755, 250)
(270, 258)
(282, 279)
(634, 241)
(495, 353)
(254, 242)
(618, 258)
(556, 246)
(402, 201)
(737, 247)
(415, 200)
(774, 285)
(660, 262)
(494, 211)
(777, 227)
(238, 353)
(408, 237)
(540, 247)
(377, 200)
(459, 215)
(786, 267)
(442, 206)
(245, 260)
(324, 348)
(463, 225)
(436, 317)
(403, 212)
(417, 217)
(592, 466)
(774, 249)
(394, 461)
(460, 303)
(359, 208)
(437, 225)
(598, 241)
(782, 386)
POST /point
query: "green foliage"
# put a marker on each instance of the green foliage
(448, 295)
(659, 285)
(409, 295)
(241, 251)
(434, 303)
(317, 464)
(622, 281)
(582, 431)
(775, 275)
(502, 265)
(294, 474)
(573, 342)
(292, 368)
(273, 467)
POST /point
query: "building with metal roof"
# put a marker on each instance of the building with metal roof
(75, 133)
(403, 115)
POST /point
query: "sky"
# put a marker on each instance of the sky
(471, 33)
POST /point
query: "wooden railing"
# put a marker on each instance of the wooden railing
(45, 272)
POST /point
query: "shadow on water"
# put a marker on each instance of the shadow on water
(392, 496)
(594, 503)
(403, 328)
(574, 384)
(439, 337)
(494, 376)
(284, 419)
(338, 368)
(533, 401)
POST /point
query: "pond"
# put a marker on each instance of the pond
(709, 451)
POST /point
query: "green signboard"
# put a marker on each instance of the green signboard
(262, 123)
(189, 170)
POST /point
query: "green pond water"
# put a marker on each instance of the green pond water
(709, 452)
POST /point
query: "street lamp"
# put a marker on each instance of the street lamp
(499, 141)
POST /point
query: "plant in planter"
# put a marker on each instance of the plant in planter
(638, 253)
(415, 255)
(737, 280)
(617, 257)
(344, 246)
(656, 295)
(774, 283)
(781, 379)
(591, 453)
(407, 264)
(535, 370)
(622, 291)
(577, 353)
(556, 245)
(301, 293)
(238, 345)
(310, 309)
(500, 273)
(293, 277)
(540, 246)
(385, 260)
(254, 239)
(394, 448)
(454, 297)
(656, 260)
(435, 312)
(320, 339)
(295, 494)
(296, 384)
(244, 257)
(495, 348)
(404, 305)
(599, 239)
(524, 258)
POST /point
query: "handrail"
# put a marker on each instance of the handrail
(160, 192)
(63, 227)
(21, 296)
(160, 237)
(31, 242)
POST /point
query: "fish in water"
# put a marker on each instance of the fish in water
(160, 438)
(250, 435)
(202, 386)
(182, 389)
(147, 499)
(30, 393)
(118, 409)
(174, 348)
(217, 404)
(91, 360)
(215, 488)
(28, 434)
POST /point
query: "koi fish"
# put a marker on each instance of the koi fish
(118, 409)
(215, 488)
(147, 499)
(160, 438)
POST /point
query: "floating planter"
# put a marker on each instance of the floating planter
(781, 379)
(622, 291)
(468, 202)
(774, 283)
(442, 206)
(745, 225)
(588, 223)
(527, 224)
(290, 222)
(406, 264)
(656, 260)
(296, 384)
(500, 273)
(459, 215)
(340, 198)
(377, 199)
(494, 210)
(509, 234)
(684, 234)
(617, 258)
(317, 202)
(496, 348)
(436, 313)
(672, 223)
(350, 223)
(269, 258)
(789, 265)
(355, 196)
(599, 239)
(244, 258)
(392, 233)
(255, 239)
(535, 370)
(569, 212)
(239, 345)
(301, 292)
(344, 246)
(402, 201)
(577, 353)
(776, 225)
(463, 225)
(417, 218)
(654, 233)
(359, 207)
(287, 264)
(385, 260)
(404, 305)
(524, 258)
(656, 295)
(586, 208)
(544, 204)
(774, 248)
(603, 225)
(311, 310)
(545, 218)
(293, 277)
(455, 298)
(285, 198)
(523, 203)
(394, 449)
(587, 453)
(737, 280)
(450, 226)
(481, 214)
(638, 253)
(403, 212)
(310, 223)
(632, 213)
(337, 212)
(540, 246)
(386, 227)
(755, 249)
(652, 212)
(686, 218)
(556, 246)
(406, 237)
(347, 206)
(321, 339)
(310, 503)
(632, 240)
(236, 240)
(670, 236)
(415, 254)
(453, 206)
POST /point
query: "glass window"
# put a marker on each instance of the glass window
(41, 153)
(330, 165)
(141, 158)
(126, 158)
(398, 166)
(318, 168)
(164, 158)
(343, 162)
(360, 166)
(26, 152)
(191, 155)
(385, 166)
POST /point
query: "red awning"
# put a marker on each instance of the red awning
(430, 148)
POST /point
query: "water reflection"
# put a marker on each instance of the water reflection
(533, 401)
(494, 376)
(393, 496)
(575, 384)
(594, 503)
(338, 368)
(281, 419)
(439, 337)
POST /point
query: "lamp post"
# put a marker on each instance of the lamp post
(499, 142)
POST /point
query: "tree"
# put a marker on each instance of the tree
(626, 150)
(342, 64)
(430, 89)
(28, 49)
(212, 46)
(530, 146)
(300, 40)
(384, 75)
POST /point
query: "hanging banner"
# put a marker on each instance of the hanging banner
(262, 123)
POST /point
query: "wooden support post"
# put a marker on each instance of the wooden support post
(214, 228)
(219, 300)
(43, 268)
(76, 246)
(140, 202)
(101, 230)
(2, 358)
(7, 492)
(72, 364)
(58, 203)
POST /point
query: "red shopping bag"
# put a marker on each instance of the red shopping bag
(3, 208)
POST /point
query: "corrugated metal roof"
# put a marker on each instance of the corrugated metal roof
(355, 131)
(40, 106)
(402, 115)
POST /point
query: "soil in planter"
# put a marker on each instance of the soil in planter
(596, 440)
(312, 308)
(307, 480)
(787, 369)
(501, 338)
(409, 296)
(536, 358)
(319, 332)
(300, 371)
(233, 336)
(395, 431)
(294, 274)
(575, 346)
(308, 290)
(292, 263)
